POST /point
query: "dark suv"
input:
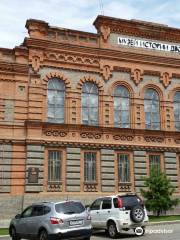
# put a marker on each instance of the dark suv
(52, 220)
(117, 213)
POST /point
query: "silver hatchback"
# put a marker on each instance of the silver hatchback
(52, 220)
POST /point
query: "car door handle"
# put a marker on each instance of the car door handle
(109, 211)
(97, 212)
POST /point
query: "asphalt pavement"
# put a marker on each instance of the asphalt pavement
(155, 232)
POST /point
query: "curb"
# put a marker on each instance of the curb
(164, 223)
(1, 236)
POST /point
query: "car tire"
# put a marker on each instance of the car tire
(14, 234)
(88, 238)
(137, 214)
(43, 235)
(112, 230)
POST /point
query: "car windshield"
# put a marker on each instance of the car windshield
(69, 207)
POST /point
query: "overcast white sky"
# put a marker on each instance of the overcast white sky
(79, 14)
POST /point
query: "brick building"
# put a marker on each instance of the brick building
(84, 114)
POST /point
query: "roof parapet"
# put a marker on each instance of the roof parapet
(36, 28)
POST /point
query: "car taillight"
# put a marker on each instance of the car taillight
(120, 203)
(54, 220)
(89, 217)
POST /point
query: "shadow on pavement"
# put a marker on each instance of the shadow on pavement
(101, 233)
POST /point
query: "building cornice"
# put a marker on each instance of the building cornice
(109, 54)
(139, 28)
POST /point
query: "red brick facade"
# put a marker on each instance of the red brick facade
(77, 57)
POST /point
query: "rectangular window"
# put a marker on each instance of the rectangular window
(90, 166)
(155, 162)
(123, 167)
(54, 166)
(1, 169)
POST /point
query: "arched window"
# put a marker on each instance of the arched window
(177, 110)
(151, 109)
(121, 107)
(90, 104)
(56, 100)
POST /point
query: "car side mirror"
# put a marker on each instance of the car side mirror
(18, 216)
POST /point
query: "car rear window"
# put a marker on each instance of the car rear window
(128, 201)
(69, 207)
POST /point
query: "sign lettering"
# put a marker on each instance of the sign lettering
(148, 44)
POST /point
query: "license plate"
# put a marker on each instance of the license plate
(75, 222)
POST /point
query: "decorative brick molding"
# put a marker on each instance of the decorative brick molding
(36, 58)
(90, 187)
(124, 187)
(177, 140)
(90, 135)
(90, 79)
(153, 139)
(165, 78)
(123, 138)
(137, 75)
(55, 133)
(57, 75)
(70, 58)
(54, 187)
(105, 32)
(106, 69)
(37, 28)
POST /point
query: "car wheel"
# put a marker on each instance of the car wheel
(88, 238)
(43, 235)
(112, 230)
(137, 214)
(14, 234)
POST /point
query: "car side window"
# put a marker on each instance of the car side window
(107, 203)
(115, 201)
(27, 212)
(96, 205)
(37, 211)
(46, 210)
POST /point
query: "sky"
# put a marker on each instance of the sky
(79, 14)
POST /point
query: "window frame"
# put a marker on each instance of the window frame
(98, 107)
(159, 110)
(161, 161)
(59, 161)
(177, 129)
(65, 100)
(178, 169)
(63, 168)
(129, 107)
(98, 170)
(95, 180)
(118, 161)
(117, 183)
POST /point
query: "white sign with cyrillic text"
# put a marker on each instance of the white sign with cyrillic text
(148, 44)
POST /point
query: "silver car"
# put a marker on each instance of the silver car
(52, 220)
